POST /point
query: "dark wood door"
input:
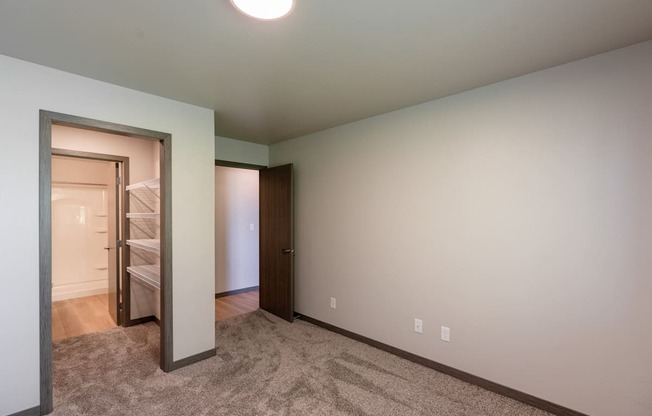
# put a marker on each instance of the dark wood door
(276, 242)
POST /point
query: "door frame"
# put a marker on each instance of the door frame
(46, 120)
(238, 165)
(244, 166)
(124, 312)
(259, 168)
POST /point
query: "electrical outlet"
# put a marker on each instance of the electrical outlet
(251, 227)
(333, 303)
(418, 326)
(445, 334)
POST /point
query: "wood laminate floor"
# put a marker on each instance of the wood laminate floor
(78, 316)
(230, 306)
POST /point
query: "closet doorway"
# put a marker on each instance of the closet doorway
(49, 123)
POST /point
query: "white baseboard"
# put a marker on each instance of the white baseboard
(78, 290)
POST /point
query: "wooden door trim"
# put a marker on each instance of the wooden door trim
(238, 165)
(124, 230)
(46, 120)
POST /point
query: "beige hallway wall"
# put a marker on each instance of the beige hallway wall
(518, 214)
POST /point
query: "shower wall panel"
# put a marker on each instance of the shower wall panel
(79, 235)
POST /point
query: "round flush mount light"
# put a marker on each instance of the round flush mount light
(264, 9)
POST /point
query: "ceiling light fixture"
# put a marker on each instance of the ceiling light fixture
(264, 9)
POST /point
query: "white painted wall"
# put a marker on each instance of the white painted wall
(27, 88)
(518, 214)
(236, 244)
(232, 150)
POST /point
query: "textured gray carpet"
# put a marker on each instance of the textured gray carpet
(264, 366)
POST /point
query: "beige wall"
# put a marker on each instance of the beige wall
(236, 244)
(143, 154)
(79, 171)
(518, 214)
(232, 150)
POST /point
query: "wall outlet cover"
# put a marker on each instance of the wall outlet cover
(418, 326)
(445, 334)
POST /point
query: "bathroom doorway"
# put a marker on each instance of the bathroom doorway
(87, 230)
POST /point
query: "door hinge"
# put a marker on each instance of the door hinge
(120, 306)
(118, 180)
(118, 243)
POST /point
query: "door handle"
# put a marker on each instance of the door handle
(287, 251)
(107, 248)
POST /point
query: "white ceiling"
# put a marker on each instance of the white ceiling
(329, 63)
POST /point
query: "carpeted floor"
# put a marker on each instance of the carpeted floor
(264, 366)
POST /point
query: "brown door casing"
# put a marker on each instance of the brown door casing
(113, 219)
(276, 242)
